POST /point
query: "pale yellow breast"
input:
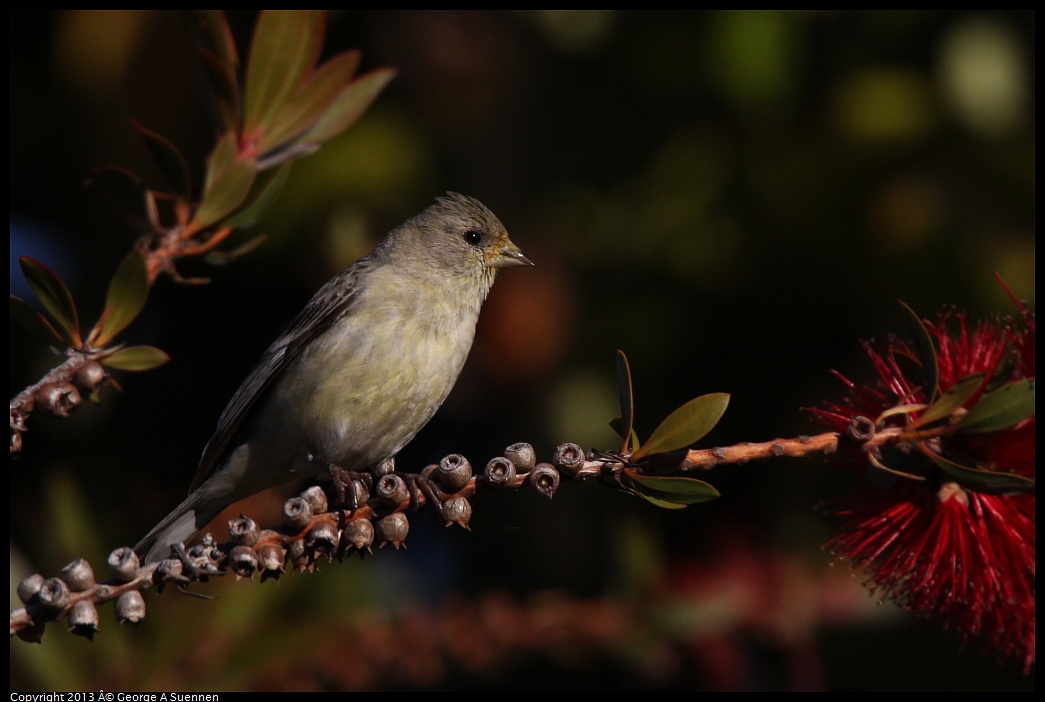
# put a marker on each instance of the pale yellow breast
(363, 389)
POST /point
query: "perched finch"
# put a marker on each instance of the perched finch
(361, 369)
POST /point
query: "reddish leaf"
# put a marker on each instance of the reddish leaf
(626, 397)
(306, 106)
(123, 186)
(263, 192)
(128, 291)
(285, 48)
(35, 322)
(55, 297)
(225, 89)
(926, 353)
(169, 159)
(350, 103)
(228, 182)
(219, 34)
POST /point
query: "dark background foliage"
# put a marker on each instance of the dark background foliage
(735, 199)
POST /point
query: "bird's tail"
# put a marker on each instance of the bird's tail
(177, 527)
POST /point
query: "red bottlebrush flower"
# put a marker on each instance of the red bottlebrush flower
(945, 526)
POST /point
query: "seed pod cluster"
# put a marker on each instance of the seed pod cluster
(310, 530)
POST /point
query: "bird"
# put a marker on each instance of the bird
(360, 370)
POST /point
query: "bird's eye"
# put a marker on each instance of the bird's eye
(473, 237)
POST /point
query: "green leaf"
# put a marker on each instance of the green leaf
(305, 107)
(676, 490)
(663, 504)
(285, 48)
(955, 397)
(34, 322)
(627, 400)
(228, 183)
(350, 103)
(985, 481)
(55, 297)
(1000, 409)
(263, 192)
(686, 425)
(135, 358)
(128, 291)
(169, 159)
(923, 343)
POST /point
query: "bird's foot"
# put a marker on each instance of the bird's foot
(352, 487)
(423, 489)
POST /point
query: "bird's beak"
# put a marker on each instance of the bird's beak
(509, 257)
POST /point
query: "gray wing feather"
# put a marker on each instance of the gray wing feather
(329, 304)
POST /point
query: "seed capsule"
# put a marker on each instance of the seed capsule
(83, 619)
(392, 529)
(243, 561)
(123, 564)
(78, 574)
(272, 559)
(359, 534)
(316, 499)
(499, 473)
(58, 399)
(32, 633)
(454, 472)
(244, 531)
(545, 479)
(53, 594)
(130, 607)
(392, 490)
(569, 458)
(297, 513)
(90, 377)
(324, 538)
(522, 456)
(457, 510)
(29, 588)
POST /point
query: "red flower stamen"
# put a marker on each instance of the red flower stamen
(948, 552)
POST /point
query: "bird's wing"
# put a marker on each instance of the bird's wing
(332, 302)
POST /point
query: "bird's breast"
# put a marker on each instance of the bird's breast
(368, 384)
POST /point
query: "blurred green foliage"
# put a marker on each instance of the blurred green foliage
(735, 199)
